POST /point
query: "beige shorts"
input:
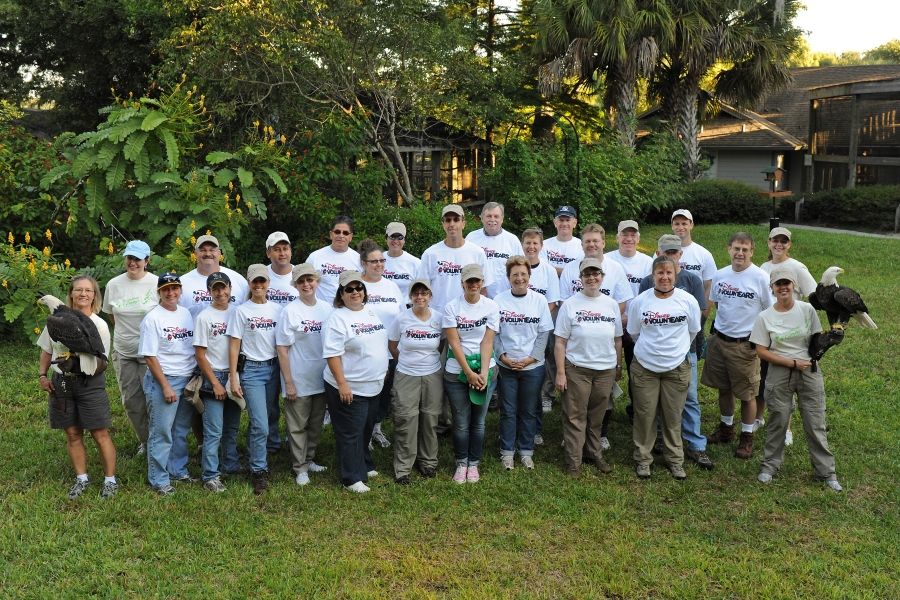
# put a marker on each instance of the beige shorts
(731, 366)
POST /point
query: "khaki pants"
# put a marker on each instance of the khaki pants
(583, 406)
(303, 418)
(781, 385)
(130, 375)
(662, 393)
(417, 407)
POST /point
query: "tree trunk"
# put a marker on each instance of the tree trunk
(621, 101)
(687, 127)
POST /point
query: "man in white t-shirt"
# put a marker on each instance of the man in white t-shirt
(740, 292)
(399, 266)
(332, 260)
(694, 258)
(565, 248)
(195, 297)
(498, 245)
(278, 251)
(442, 263)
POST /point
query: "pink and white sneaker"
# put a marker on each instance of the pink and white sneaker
(460, 475)
(472, 475)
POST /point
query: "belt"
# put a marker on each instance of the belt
(728, 338)
(271, 361)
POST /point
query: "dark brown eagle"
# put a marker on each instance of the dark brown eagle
(77, 332)
(840, 303)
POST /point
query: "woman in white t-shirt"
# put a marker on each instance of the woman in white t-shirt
(385, 298)
(128, 298)
(299, 339)
(663, 322)
(252, 331)
(78, 401)
(525, 324)
(588, 361)
(167, 344)
(470, 324)
(415, 342)
(354, 346)
(782, 335)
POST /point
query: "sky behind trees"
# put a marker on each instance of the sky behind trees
(839, 26)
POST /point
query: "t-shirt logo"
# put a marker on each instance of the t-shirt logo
(280, 296)
(396, 276)
(690, 267)
(310, 326)
(377, 299)
(132, 301)
(365, 328)
(727, 290)
(589, 316)
(260, 323)
(203, 297)
(540, 291)
(555, 256)
(633, 279)
(577, 286)
(330, 269)
(448, 267)
(217, 329)
(512, 317)
(650, 317)
(421, 334)
(495, 254)
(175, 332)
(467, 323)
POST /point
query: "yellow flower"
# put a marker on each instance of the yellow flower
(237, 198)
(44, 266)
(46, 251)
(22, 250)
(256, 124)
(37, 331)
(272, 142)
(10, 238)
(5, 283)
(288, 153)
(178, 242)
(27, 237)
(284, 139)
(32, 269)
(193, 257)
(49, 235)
(209, 232)
(193, 225)
(54, 268)
(249, 204)
(110, 248)
(68, 263)
(230, 186)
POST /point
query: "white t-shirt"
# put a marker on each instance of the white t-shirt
(195, 297)
(663, 328)
(255, 324)
(636, 267)
(559, 254)
(498, 249)
(360, 339)
(169, 336)
(128, 300)
(806, 285)
(418, 343)
(300, 328)
(210, 332)
(330, 265)
(442, 266)
(698, 260)
(590, 325)
(386, 300)
(401, 270)
(280, 291)
(521, 320)
(787, 333)
(740, 297)
(545, 281)
(55, 349)
(471, 322)
(614, 285)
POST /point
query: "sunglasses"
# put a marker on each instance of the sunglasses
(354, 289)
(344, 232)
(398, 236)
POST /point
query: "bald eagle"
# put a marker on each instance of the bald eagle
(839, 303)
(77, 332)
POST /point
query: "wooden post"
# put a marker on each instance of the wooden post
(854, 141)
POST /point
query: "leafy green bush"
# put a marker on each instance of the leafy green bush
(718, 201)
(868, 207)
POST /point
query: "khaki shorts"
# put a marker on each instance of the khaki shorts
(732, 366)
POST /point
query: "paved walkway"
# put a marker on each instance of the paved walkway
(890, 236)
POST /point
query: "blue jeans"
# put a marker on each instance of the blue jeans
(350, 440)
(169, 425)
(273, 441)
(690, 415)
(231, 423)
(468, 420)
(520, 395)
(213, 417)
(260, 382)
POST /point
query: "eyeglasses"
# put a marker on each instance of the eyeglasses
(398, 236)
(344, 232)
(83, 291)
(592, 275)
(354, 289)
(377, 261)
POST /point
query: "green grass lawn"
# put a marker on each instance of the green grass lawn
(719, 534)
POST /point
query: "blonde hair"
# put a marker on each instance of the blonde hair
(517, 261)
(98, 298)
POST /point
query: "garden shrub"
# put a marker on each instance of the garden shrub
(718, 201)
(868, 207)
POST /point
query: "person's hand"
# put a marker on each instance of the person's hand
(618, 372)
(290, 391)
(476, 380)
(218, 390)
(47, 385)
(561, 383)
(236, 387)
(169, 394)
(802, 364)
(345, 393)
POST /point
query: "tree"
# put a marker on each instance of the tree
(889, 52)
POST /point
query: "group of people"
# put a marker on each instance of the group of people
(351, 336)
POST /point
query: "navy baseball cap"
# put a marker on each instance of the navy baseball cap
(167, 279)
(218, 277)
(566, 211)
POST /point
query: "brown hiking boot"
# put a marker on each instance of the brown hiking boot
(260, 482)
(745, 446)
(722, 435)
(602, 465)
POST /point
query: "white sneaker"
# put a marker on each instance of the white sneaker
(833, 485)
(604, 443)
(379, 438)
(527, 462)
(764, 477)
(507, 462)
(359, 488)
(538, 440)
(326, 420)
(546, 405)
(316, 468)
(758, 424)
(788, 438)
(372, 473)
(302, 478)
(142, 450)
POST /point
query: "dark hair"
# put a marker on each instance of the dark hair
(339, 302)
(342, 219)
(742, 236)
(367, 247)
(517, 261)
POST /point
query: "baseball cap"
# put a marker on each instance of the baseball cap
(566, 211)
(303, 270)
(137, 248)
(456, 209)
(780, 231)
(683, 212)
(257, 271)
(217, 277)
(591, 263)
(668, 242)
(420, 282)
(275, 237)
(472, 271)
(349, 277)
(783, 272)
(395, 227)
(629, 224)
(206, 239)
(167, 279)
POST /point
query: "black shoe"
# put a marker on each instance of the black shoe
(403, 480)
(427, 472)
(260, 482)
(658, 446)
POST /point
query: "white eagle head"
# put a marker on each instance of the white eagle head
(50, 301)
(829, 277)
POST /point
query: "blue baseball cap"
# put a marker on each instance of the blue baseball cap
(137, 248)
(167, 279)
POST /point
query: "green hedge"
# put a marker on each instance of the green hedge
(718, 201)
(869, 207)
